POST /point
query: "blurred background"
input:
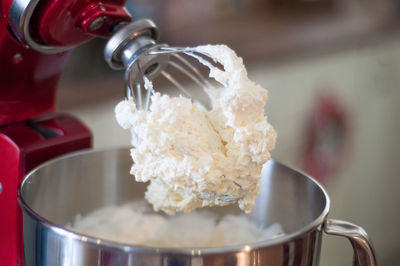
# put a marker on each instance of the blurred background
(332, 69)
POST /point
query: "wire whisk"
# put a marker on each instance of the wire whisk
(134, 49)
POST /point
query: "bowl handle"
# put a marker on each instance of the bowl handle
(364, 254)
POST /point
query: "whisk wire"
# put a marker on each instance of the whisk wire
(187, 51)
(139, 95)
(149, 88)
(187, 73)
(175, 82)
(194, 69)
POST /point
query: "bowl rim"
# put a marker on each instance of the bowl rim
(316, 224)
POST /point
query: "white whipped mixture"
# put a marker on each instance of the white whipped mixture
(129, 224)
(193, 157)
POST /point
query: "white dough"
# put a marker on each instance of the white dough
(131, 225)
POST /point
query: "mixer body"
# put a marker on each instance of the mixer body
(36, 40)
(23, 146)
(28, 79)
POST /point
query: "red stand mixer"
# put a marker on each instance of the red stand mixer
(37, 38)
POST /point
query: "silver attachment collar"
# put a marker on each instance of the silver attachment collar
(129, 48)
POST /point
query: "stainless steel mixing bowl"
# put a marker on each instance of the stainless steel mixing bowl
(53, 194)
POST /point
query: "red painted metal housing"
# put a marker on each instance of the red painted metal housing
(28, 78)
(23, 147)
(28, 81)
(65, 23)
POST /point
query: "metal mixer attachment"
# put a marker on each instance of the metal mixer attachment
(134, 49)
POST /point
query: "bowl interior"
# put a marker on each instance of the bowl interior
(83, 182)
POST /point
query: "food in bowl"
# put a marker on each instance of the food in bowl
(133, 224)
